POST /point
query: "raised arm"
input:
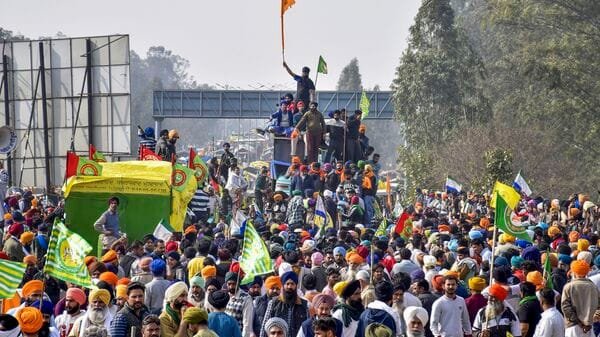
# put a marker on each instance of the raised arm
(287, 68)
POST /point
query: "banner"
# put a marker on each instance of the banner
(255, 259)
(11, 275)
(78, 166)
(508, 222)
(364, 105)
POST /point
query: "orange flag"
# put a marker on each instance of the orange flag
(286, 4)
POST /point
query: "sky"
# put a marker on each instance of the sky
(238, 42)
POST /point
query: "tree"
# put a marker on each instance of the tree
(350, 78)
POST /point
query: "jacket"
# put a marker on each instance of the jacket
(375, 313)
(302, 183)
(315, 123)
(293, 313)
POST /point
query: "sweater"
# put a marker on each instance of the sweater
(580, 299)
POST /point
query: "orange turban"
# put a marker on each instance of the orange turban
(573, 236)
(124, 281)
(484, 223)
(553, 231)
(498, 292)
(536, 278)
(438, 282)
(190, 230)
(26, 238)
(444, 228)
(109, 277)
(7, 216)
(31, 287)
(89, 260)
(354, 258)
(30, 320)
(273, 281)
(580, 268)
(110, 256)
(582, 245)
(30, 259)
(574, 212)
(208, 271)
(553, 259)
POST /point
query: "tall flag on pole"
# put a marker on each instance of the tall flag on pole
(79, 166)
(11, 274)
(404, 225)
(96, 155)
(285, 5)
(364, 105)
(453, 186)
(181, 176)
(510, 196)
(163, 231)
(548, 283)
(508, 222)
(148, 154)
(521, 185)
(322, 67)
(382, 229)
(66, 252)
(322, 218)
(198, 165)
(255, 259)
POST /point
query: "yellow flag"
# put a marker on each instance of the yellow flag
(286, 4)
(508, 193)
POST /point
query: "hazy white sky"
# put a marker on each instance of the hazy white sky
(237, 42)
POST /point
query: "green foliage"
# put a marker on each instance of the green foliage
(498, 166)
(350, 78)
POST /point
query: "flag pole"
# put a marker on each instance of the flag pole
(317, 76)
(494, 237)
(90, 151)
(237, 282)
(282, 40)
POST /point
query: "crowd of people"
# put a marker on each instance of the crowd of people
(453, 275)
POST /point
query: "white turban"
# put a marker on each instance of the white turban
(429, 261)
(418, 312)
(175, 290)
(586, 256)
(284, 267)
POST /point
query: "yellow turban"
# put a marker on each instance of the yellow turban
(582, 244)
(30, 320)
(121, 290)
(553, 231)
(100, 294)
(339, 287)
(536, 278)
(26, 238)
(476, 283)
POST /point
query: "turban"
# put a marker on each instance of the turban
(290, 275)
(15, 229)
(536, 278)
(46, 307)
(498, 292)
(583, 244)
(231, 276)
(97, 266)
(411, 312)
(322, 298)
(438, 282)
(218, 299)
(339, 251)
(500, 261)
(362, 251)
(31, 287)
(174, 255)
(190, 230)
(7, 216)
(195, 315)
(100, 294)
(363, 275)
(444, 228)
(316, 258)
(77, 295)
(531, 253)
(121, 291)
(417, 274)
(110, 256)
(272, 282)
(350, 289)
(378, 330)
(585, 256)
(89, 260)
(124, 281)
(109, 277)
(170, 246)
(145, 262)
(476, 283)
(208, 271)
(276, 322)
(516, 261)
(597, 261)
(553, 259)
(580, 268)
(475, 235)
(339, 287)
(197, 281)
(564, 258)
(175, 290)
(27, 237)
(30, 259)
(429, 261)
(355, 258)
(158, 267)
(573, 236)
(30, 320)
(553, 231)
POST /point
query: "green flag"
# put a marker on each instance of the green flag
(322, 67)
(255, 259)
(11, 274)
(504, 220)
(163, 231)
(181, 177)
(382, 229)
(548, 272)
(66, 252)
(364, 105)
